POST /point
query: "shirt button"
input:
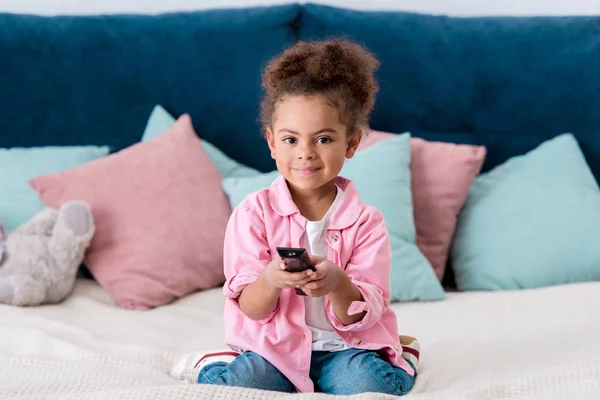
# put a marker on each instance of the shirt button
(358, 342)
(397, 348)
(335, 238)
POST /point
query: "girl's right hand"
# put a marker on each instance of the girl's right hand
(276, 276)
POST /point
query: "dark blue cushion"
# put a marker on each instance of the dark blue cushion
(510, 82)
(95, 79)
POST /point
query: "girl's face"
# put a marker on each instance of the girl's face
(309, 142)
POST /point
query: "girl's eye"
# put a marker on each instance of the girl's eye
(289, 140)
(323, 140)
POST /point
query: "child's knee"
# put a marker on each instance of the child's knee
(266, 381)
(374, 382)
(249, 370)
(392, 380)
(373, 374)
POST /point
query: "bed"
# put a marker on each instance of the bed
(542, 343)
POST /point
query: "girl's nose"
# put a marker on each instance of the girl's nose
(306, 152)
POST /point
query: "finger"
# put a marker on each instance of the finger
(291, 275)
(282, 265)
(315, 285)
(320, 273)
(291, 283)
(284, 278)
(303, 282)
(299, 276)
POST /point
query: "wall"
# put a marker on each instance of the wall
(450, 7)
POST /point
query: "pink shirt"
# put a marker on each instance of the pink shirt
(358, 241)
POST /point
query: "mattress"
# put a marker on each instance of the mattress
(542, 343)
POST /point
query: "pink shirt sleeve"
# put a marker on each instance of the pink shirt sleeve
(369, 269)
(246, 253)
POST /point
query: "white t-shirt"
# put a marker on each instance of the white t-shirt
(323, 336)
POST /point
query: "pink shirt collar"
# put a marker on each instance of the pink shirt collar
(344, 216)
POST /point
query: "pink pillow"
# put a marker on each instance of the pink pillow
(160, 217)
(442, 174)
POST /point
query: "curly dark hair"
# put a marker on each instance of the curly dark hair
(341, 71)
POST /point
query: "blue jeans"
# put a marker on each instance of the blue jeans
(346, 372)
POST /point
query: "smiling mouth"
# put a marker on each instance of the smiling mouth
(306, 171)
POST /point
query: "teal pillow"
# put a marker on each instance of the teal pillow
(533, 221)
(381, 174)
(160, 120)
(18, 201)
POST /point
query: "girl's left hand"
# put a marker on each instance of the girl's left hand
(326, 280)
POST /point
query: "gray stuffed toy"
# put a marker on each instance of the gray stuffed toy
(39, 260)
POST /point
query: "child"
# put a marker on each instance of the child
(341, 338)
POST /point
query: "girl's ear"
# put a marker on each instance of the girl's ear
(353, 143)
(271, 141)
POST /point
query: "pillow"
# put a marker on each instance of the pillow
(160, 217)
(412, 277)
(442, 174)
(18, 202)
(533, 221)
(160, 120)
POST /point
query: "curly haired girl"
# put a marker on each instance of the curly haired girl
(341, 336)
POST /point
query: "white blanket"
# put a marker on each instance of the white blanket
(541, 343)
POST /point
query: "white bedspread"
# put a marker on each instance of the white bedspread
(541, 343)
